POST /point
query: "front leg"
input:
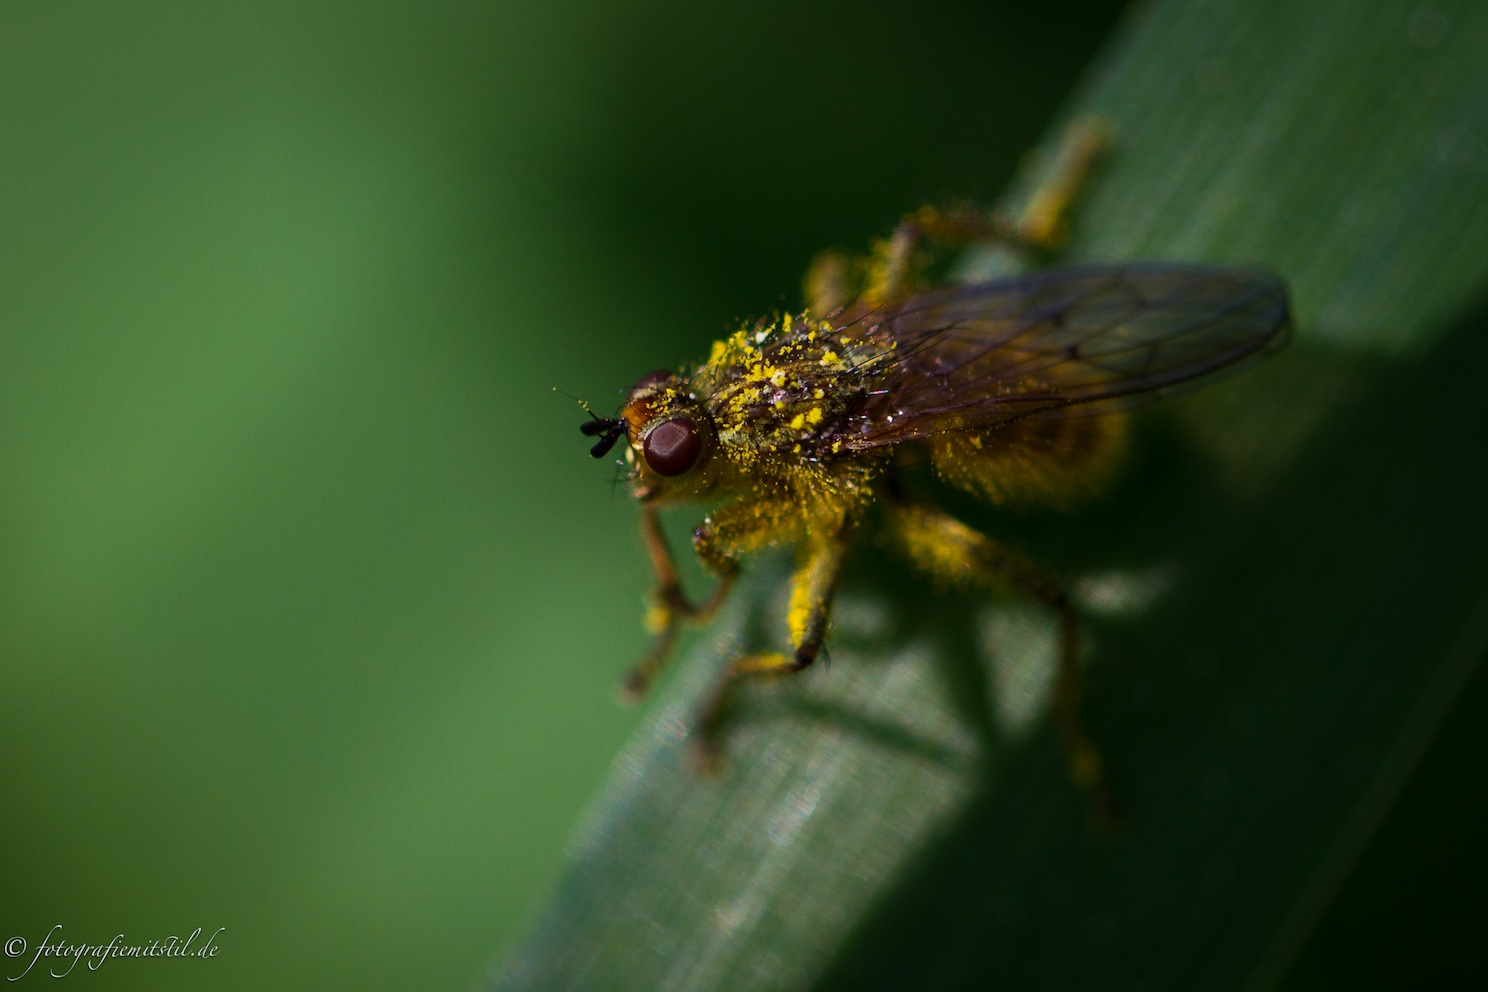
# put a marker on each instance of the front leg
(670, 607)
(720, 541)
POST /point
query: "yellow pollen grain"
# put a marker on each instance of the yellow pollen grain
(814, 415)
(799, 420)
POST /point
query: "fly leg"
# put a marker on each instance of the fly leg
(724, 537)
(949, 551)
(830, 283)
(896, 265)
(813, 586)
(670, 606)
(1042, 221)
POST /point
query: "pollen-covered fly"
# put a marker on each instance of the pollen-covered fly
(1013, 390)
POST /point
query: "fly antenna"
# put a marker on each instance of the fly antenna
(607, 429)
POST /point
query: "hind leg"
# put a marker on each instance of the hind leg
(950, 551)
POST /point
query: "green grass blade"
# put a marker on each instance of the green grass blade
(1282, 594)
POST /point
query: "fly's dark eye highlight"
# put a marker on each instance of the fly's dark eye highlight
(672, 446)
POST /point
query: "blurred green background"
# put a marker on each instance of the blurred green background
(311, 606)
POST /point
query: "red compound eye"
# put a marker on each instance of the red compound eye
(672, 446)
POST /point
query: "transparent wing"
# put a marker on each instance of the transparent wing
(1062, 342)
